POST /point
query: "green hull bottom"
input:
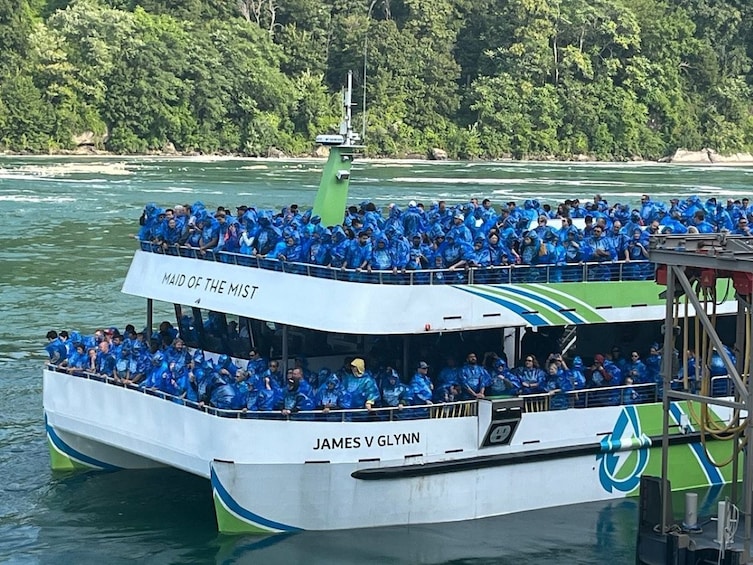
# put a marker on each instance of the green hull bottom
(59, 461)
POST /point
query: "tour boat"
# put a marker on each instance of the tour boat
(271, 472)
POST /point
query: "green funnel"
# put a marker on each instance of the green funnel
(332, 197)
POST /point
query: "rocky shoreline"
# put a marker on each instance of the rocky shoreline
(681, 156)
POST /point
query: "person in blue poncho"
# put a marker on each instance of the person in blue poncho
(421, 387)
(543, 229)
(604, 373)
(149, 222)
(530, 376)
(189, 387)
(339, 248)
(742, 227)
(637, 250)
(171, 234)
(330, 395)
(699, 222)
(298, 395)
(618, 240)
(720, 218)
(360, 386)
(636, 369)
(499, 252)
(503, 382)
(232, 238)
(158, 372)
(256, 363)
(225, 366)
(266, 236)
(601, 252)
(399, 248)
(394, 393)
(577, 377)
(459, 231)
(630, 393)
(210, 234)
(474, 378)
(557, 384)
(292, 250)
(358, 252)
(412, 220)
(77, 360)
(55, 348)
(172, 380)
(140, 361)
(419, 254)
(450, 373)
(123, 363)
(178, 354)
(480, 255)
(252, 384)
(105, 360)
(453, 254)
(223, 393)
(394, 219)
(720, 386)
(316, 247)
(530, 248)
(269, 396)
(274, 373)
(381, 258)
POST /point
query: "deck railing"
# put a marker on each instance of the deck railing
(543, 273)
(543, 402)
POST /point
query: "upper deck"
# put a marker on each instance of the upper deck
(383, 302)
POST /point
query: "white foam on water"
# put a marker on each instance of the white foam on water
(451, 180)
(182, 189)
(32, 199)
(391, 165)
(65, 169)
(258, 167)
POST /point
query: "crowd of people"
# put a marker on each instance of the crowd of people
(471, 235)
(161, 362)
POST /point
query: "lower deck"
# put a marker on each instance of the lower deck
(320, 474)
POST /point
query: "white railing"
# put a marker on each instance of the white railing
(543, 273)
(539, 402)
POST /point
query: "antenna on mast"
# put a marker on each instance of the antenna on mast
(346, 127)
(346, 137)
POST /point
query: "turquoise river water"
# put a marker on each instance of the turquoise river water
(66, 228)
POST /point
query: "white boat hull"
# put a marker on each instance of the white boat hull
(275, 475)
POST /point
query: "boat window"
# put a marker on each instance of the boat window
(188, 325)
(235, 335)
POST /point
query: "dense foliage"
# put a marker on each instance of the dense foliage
(613, 79)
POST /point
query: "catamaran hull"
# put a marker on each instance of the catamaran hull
(279, 476)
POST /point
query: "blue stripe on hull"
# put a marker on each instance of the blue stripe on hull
(237, 509)
(74, 454)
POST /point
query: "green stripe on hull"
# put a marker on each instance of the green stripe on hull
(622, 294)
(229, 523)
(583, 310)
(59, 461)
(554, 318)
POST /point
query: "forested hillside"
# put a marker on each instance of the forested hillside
(612, 79)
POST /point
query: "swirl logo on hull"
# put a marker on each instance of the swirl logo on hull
(624, 453)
